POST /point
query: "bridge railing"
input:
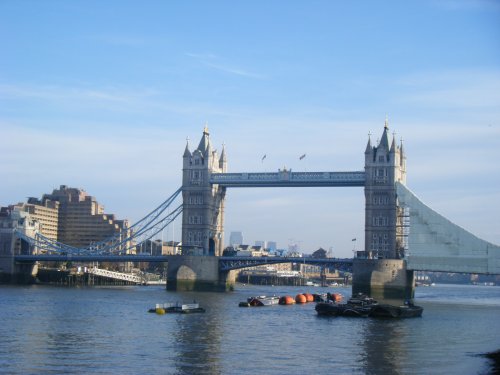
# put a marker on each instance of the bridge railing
(236, 262)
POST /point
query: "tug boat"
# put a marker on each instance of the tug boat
(363, 306)
(359, 306)
(166, 308)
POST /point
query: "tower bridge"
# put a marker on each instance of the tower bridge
(402, 234)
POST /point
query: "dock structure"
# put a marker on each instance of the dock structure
(116, 275)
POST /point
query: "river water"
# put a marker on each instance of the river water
(47, 329)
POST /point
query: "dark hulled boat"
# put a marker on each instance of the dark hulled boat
(359, 306)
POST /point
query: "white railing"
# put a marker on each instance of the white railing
(115, 275)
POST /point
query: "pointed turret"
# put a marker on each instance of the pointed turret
(223, 159)
(369, 145)
(384, 142)
(402, 155)
(187, 153)
(393, 145)
(205, 141)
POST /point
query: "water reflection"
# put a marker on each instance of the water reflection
(384, 344)
(198, 336)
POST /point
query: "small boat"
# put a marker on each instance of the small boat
(260, 301)
(320, 297)
(359, 306)
(391, 311)
(188, 308)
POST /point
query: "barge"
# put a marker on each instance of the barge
(188, 308)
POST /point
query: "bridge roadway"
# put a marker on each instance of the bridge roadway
(287, 178)
(225, 263)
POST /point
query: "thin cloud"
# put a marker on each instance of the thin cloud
(57, 93)
(214, 62)
(452, 89)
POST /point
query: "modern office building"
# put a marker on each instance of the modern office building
(45, 212)
(72, 217)
(271, 246)
(82, 220)
(236, 239)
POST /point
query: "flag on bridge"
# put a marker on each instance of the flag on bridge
(302, 157)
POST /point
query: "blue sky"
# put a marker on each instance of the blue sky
(102, 95)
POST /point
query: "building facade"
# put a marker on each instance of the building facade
(72, 217)
(10, 245)
(45, 212)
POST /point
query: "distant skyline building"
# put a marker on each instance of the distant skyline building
(272, 245)
(261, 244)
(236, 239)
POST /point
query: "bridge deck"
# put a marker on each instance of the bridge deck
(225, 263)
(289, 179)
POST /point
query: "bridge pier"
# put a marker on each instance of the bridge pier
(12, 272)
(383, 279)
(197, 273)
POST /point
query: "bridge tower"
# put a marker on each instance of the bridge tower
(385, 164)
(203, 203)
(202, 223)
(381, 271)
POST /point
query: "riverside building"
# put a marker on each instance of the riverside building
(45, 212)
(73, 217)
(82, 220)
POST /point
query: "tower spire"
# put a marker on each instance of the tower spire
(186, 151)
(369, 144)
(205, 141)
(384, 142)
(223, 158)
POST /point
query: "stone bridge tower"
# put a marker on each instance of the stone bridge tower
(203, 203)
(385, 164)
(382, 272)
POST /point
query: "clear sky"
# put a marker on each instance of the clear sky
(101, 95)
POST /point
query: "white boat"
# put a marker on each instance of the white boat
(260, 301)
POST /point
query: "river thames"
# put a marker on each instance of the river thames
(105, 330)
